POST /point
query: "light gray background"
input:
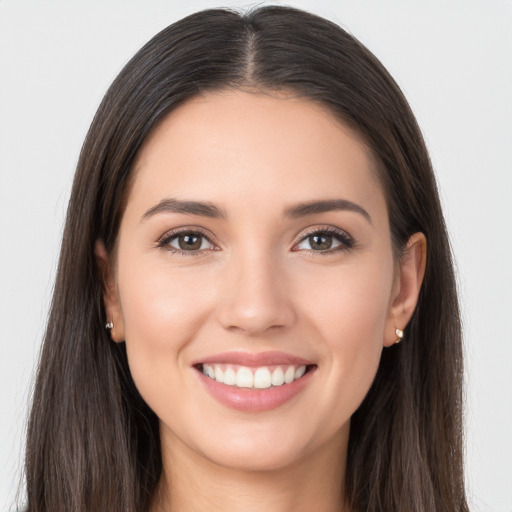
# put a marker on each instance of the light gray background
(453, 60)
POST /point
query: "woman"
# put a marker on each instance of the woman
(254, 226)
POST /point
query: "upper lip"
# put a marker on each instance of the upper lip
(254, 359)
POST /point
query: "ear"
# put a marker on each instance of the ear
(407, 286)
(111, 301)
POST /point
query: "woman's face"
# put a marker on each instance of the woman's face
(254, 247)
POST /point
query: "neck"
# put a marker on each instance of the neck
(193, 484)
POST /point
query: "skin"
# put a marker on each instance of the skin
(256, 285)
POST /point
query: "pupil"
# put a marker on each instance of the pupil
(320, 241)
(189, 242)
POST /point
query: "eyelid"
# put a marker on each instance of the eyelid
(347, 241)
(164, 240)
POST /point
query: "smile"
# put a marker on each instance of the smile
(262, 377)
(254, 382)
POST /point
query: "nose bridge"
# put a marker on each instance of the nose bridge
(254, 295)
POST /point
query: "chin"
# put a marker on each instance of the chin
(253, 457)
(260, 446)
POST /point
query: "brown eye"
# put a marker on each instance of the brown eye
(327, 241)
(320, 242)
(189, 242)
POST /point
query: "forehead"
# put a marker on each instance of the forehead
(253, 147)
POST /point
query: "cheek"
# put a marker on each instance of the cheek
(161, 304)
(349, 305)
(348, 318)
(162, 311)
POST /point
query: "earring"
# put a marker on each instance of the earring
(399, 335)
(109, 325)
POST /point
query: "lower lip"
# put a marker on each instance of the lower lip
(254, 400)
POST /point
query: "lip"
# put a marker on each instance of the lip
(254, 400)
(253, 360)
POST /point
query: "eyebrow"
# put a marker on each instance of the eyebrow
(327, 205)
(207, 209)
(172, 205)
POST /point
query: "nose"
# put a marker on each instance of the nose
(255, 298)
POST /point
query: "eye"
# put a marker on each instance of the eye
(325, 240)
(186, 242)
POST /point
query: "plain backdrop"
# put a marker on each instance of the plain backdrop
(453, 59)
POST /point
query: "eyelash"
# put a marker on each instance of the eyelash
(164, 242)
(346, 242)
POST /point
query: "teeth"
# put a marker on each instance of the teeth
(262, 378)
(219, 374)
(230, 377)
(300, 371)
(278, 377)
(289, 375)
(256, 378)
(210, 372)
(244, 378)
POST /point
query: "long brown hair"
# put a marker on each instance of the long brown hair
(93, 443)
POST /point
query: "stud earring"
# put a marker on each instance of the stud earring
(109, 325)
(399, 335)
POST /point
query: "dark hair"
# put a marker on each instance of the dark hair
(93, 443)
